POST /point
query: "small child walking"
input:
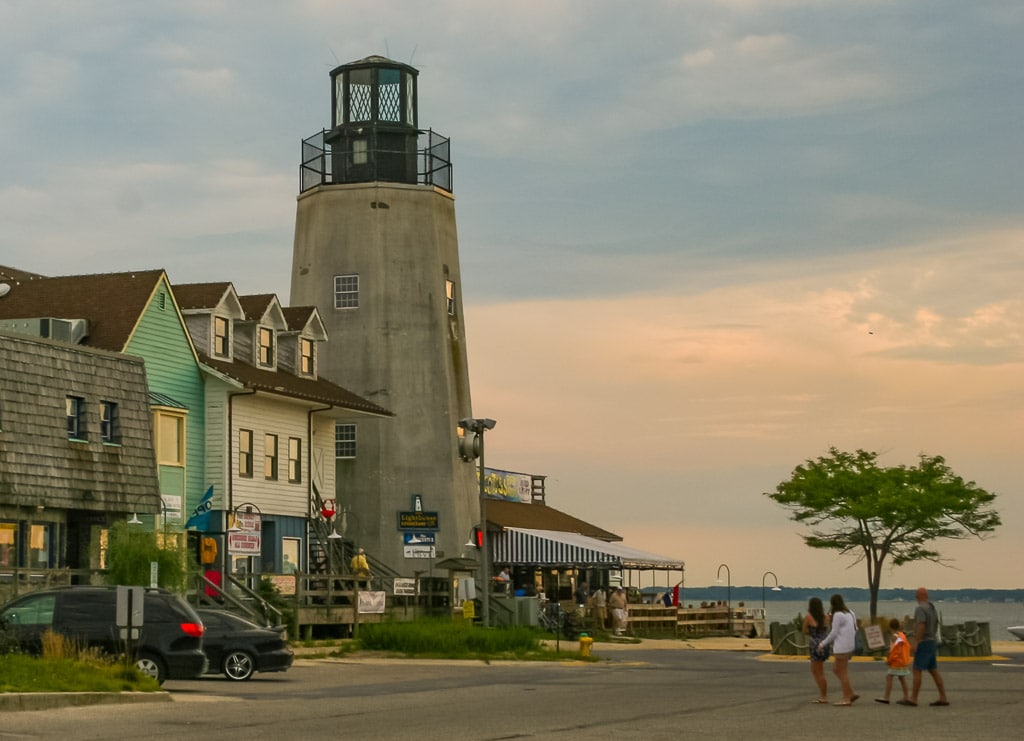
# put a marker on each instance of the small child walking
(898, 661)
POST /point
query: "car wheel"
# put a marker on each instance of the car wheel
(238, 665)
(151, 666)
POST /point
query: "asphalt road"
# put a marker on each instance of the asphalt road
(641, 694)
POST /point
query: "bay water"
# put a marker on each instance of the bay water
(999, 615)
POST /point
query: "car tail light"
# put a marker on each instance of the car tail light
(195, 630)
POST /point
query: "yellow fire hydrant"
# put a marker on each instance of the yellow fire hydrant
(585, 642)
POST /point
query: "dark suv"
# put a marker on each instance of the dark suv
(170, 645)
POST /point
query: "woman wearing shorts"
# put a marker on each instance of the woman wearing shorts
(816, 628)
(843, 639)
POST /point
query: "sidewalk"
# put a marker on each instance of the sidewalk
(761, 645)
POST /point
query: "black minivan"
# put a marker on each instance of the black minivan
(170, 645)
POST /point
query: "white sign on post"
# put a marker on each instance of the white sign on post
(419, 551)
(405, 587)
(129, 612)
(873, 637)
(154, 575)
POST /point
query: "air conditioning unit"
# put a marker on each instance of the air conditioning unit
(72, 331)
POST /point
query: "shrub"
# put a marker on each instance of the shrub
(131, 551)
(447, 638)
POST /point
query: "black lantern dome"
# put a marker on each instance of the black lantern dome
(374, 131)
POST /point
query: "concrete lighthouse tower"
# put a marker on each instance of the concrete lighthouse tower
(376, 251)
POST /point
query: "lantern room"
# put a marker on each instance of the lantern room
(373, 135)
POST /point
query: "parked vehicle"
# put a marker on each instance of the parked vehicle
(238, 648)
(169, 646)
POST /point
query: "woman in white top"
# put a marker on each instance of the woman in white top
(843, 639)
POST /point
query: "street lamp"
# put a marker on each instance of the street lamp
(468, 450)
(134, 519)
(728, 592)
(776, 588)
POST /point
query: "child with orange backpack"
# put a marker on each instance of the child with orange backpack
(898, 661)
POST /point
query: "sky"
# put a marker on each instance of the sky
(701, 241)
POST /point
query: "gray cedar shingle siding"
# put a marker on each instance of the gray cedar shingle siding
(38, 464)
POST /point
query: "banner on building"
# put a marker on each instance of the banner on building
(372, 603)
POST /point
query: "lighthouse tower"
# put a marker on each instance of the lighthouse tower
(376, 251)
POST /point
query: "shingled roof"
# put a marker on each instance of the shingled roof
(199, 295)
(284, 383)
(256, 305)
(542, 517)
(298, 316)
(111, 302)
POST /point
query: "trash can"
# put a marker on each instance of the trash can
(585, 642)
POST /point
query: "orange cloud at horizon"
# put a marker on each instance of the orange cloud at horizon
(674, 413)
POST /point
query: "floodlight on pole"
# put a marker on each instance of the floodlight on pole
(468, 450)
(776, 588)
(728, 592)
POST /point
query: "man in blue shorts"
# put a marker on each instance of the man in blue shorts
(926, 624)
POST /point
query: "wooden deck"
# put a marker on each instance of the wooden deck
(696, 621)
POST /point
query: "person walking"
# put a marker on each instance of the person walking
(582, 592)
(620, 614)
(925, 648)
(600, 608)
(842, 636)
(359, 565)
(816, 628)
(898, 661)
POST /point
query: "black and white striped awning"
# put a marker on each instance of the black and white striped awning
(521, 546)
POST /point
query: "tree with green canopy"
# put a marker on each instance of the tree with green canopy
(854, 506)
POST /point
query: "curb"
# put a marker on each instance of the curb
(13, 701)
(881, 660)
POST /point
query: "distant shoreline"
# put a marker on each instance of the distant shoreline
(851, 594)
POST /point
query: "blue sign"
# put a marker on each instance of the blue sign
(418, 538)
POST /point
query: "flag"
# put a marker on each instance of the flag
(200, 518)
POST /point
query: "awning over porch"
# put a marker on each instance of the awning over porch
(552, 548)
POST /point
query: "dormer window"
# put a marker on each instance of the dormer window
(221, 337)
(266, 347)
(307, 364)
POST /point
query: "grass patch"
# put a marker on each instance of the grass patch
(456, 639)
(23, 673)
(66, 666)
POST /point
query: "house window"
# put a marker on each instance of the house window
(8, 545)
(75, 406)
(346, 292)
(359, 151)
(344, 441)
(221, 337)
(169, 430)
(266, 348)
(109, 427)
(306, 350)
(294, 460)
(290, 562)
(245, 453)
(270, 457)
(39, 538)
(449, 292)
